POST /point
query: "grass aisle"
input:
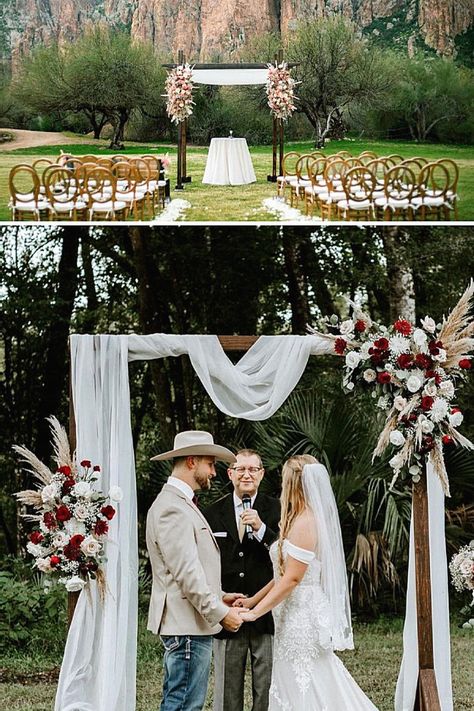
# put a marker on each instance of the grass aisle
(244, 203)
(374, 664)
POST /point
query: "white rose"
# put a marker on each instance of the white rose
(90, 546)
(414, 383)
(60, 539)
(35, 549)
(420, 337)
(466, 568)
(49, 493)
(43, 565)
(364, 350)
(439, 409)
(396, 462)
(428, 324)
(430, 389)
(455, 420)
(399, 344)
(446, 389)
(397, 438)
(81, 512)
(115, 493)
(75, 584)
(466, 626)
(82, 488)
(414, 469)
(402, 374)
(369, 375)
(441, 357)
(346, 328)
(399, 403)
(353, 359)
(427, 426)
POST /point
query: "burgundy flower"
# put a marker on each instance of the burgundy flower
(92, 565)
(405, 360)
(403, 326)
(427, 444)
(434, 346)
(49, 520)
(36, 537)
(86, 463)
(65, 470)
(96, 468)
(340, 346)
(360, 326)
(54, 561)
(465, 364)
(381, 343)
(427, 402)
(384, 377)
(433, 374)
(63, 513)
(108, 512)
(76, 540)
(101, 527)
(423, 360)
(67, 486)
(447, 440)
(72, 552)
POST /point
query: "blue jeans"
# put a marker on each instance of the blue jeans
(186, 664)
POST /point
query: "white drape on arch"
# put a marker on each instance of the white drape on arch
(99, 665)
(237, 76)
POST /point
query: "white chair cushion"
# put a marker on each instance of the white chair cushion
(68, 206)
(354, 204)
(108, 206)
(31, 206)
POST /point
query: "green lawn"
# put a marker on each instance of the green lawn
(374, 664)
(244, 203)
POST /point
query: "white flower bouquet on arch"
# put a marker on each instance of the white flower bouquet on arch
(72, 517)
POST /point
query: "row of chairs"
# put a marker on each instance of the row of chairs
(368, 187)
(77, 188)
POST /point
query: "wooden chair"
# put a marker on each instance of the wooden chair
(157, 180)
(343, 154)
(367, 156)
(145, 185)
(358, 184)
(128, 189)
(64, 195)
(26, 201)
(301, 179)
(434, 183)
(333, 174)
(288, 172)
(451, 195)
(318, 185)
(101, 193)
(400, 189)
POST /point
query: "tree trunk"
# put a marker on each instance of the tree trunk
(297, 286)
(119, 130)
(90, 319)
(400, 273)
(56, 338)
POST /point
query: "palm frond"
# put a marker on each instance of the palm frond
(60, 442)
(458, 319)
(39, 470)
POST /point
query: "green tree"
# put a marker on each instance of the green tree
(336, 68)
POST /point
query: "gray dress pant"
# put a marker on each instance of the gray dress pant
(230, 656)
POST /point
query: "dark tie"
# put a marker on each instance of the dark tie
(195, 500)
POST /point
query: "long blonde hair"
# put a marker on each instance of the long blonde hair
(292, 497)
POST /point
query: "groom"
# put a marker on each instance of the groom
(187, 605)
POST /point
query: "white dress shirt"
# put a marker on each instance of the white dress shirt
(239, 507)
(182, 486)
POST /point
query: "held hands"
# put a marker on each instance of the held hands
(232, 599)
(233, 620)
(248, 616)
(250, 517)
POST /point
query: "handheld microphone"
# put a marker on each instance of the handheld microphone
(247, 504)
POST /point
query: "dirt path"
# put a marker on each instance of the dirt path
(30, 139)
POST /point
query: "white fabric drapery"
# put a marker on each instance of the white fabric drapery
(231, 77)
(99, 664)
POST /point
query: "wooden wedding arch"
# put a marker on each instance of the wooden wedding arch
(427, 696)
(278, 140)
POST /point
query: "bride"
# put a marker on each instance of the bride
(309, 598)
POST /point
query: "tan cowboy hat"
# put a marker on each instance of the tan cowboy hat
(199, 443)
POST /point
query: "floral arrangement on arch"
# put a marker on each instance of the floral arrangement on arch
(280, 91)
(72, 516)
(412, 373)
(179, 93)
(461, 568)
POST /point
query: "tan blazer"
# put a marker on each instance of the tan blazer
(186, 596)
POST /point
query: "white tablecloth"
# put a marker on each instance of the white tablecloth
(229, 163)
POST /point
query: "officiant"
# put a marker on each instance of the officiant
(245, 524)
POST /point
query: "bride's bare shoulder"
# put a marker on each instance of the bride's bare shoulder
(303, 531)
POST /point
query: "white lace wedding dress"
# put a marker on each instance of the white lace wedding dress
(307, 675)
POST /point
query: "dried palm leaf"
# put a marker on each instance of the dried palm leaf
(39, 470)
(437, 460)
(458, 319)
(60, 442)
(30, 497)
(384, 438)
(459, 438)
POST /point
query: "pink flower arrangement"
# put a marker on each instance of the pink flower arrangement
(412, 373)
(280, 91)
(179, 93)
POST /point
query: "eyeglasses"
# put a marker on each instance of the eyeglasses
(251, 470)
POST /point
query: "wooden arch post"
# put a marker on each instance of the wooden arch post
(278, 138)
(427, 697)
(182, 144)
